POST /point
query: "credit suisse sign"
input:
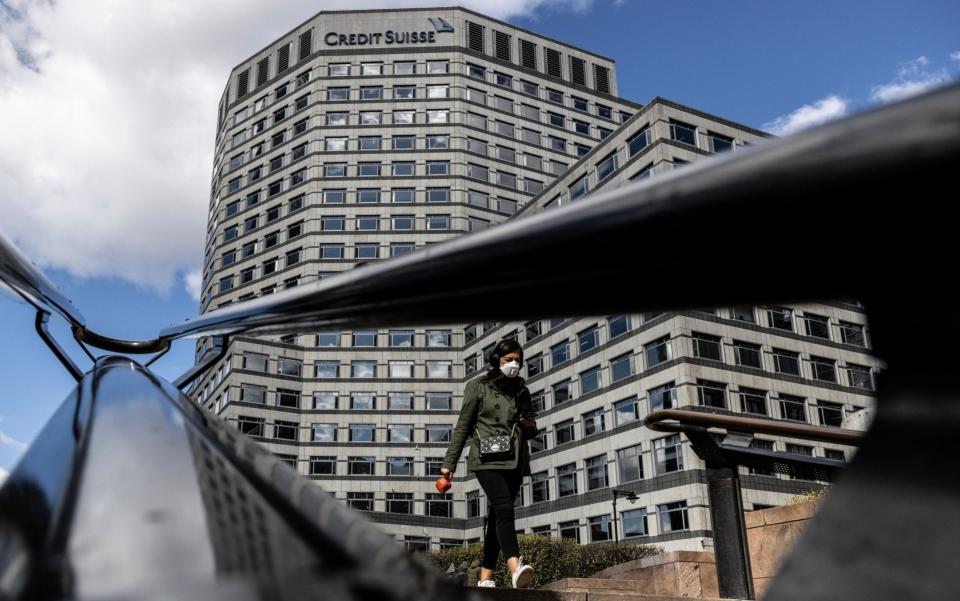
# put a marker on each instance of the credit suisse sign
(390, 37)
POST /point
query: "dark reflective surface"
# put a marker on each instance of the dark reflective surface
(131, 491)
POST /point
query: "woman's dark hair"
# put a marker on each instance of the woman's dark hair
(494, 375)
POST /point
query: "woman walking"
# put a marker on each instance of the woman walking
(497, 418)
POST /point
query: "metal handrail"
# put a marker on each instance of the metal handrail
(660, 422)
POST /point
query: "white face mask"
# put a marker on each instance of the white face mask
(510, 369)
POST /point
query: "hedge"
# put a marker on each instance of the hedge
(553, 558)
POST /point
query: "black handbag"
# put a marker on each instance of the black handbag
(497, 447)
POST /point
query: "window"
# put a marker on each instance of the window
(860, 376)
(563, 431)
(327, 369)
(371, 68)
(634, 522)
(780, 318)
(365, 338)
(254, 362)
(324, 400)
(562, 392)
(368, 195)
(793, 408)
(362, 368)
(402, 169)
(438, 194)
(325, 465)
(570, 530)
(743, 314)
(363, 401)
(438, 66)
(630, 464)
(337, 118)
(400, 433)
(834, 454)
(747, 355)
(683, 132)
(590, 380)
(672, 516)
(658, 351)
(600, 528)
(360, 501)
(712, 394)
(581, 127)
(250, 393)
(402, 195)
(439, 401)
(438, 167)
(593, 422)
(335, 169)
(668, 454)
(401, 248)
(823, 369)
(405, 92)
(816, 326)
(438, 116)
(753, 401)
(438, 91)
(588, 339)
(476, 71)
(399, 466)
(626, 410)
(337, 196)
(597, 472)
(404, 68)
(607, 167)
(332, 223)
(438, 338)
(368, 223)
(439, 505)
(852, 333)
(288, 367)
(370, 118)
(402, 222)
(567, 480)
(539, 487)
(251, 426)
(706, 346)
(399, 502)
(362, 433)
(560, 353)
(831, 414)
(401, 369)
(323, 432)
(438, 369)
(438, 433)
(799, 449)
(786, 362)
(621, 367)
(534, 365)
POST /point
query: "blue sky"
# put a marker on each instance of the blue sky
(107, 147)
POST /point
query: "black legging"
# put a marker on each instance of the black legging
(501, 488)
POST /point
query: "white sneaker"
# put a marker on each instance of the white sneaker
(487, 584)
(523, 576)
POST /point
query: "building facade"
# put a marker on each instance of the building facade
(362, 135)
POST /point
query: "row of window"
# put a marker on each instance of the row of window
(327, 432)
(552, 95)
(327, 400)
(364, 368)
(534, 113)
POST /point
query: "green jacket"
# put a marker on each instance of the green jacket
(488, 412)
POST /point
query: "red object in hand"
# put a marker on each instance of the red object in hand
(442, 484)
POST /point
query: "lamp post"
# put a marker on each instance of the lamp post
(630, 496)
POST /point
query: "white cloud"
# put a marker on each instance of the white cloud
(9, 441)
(913, 77)
(192, 281)
(955, 56)
(108, 110)
(809, 115)
(3, 475)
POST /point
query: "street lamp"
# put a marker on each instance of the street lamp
(630, 496)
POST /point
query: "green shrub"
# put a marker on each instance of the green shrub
(553, 558)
